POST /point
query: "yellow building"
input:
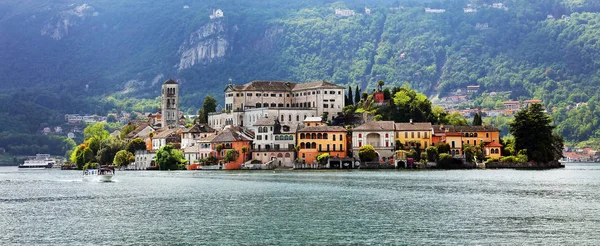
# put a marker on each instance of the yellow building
(411, 133)
(316, 138)
(458, 136)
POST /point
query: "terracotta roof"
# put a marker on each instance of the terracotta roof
(264, 122)
(228, 137)
(376, 126)
(476, 129)
(493, 144)
(266, 85)
(511, 102)
(170, 82)
(322, 129)
(198, 128)
(442, 128)
(415, 126)
(317, 84)
(270, 85)
(166, 133)
(137, 130)
(206, 139)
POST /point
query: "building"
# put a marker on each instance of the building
(414, 134)
(345, 12)
(190, 135)
(144, 159)
(169, 104)
(167, 136)
(458, 136)
(289, 102)
(232, 138)
(472, 89)
(379, 134)
(274, 142)
(528, 103)
(511, 107)
(315, 138)
(435, 11)
(469, 10)
(493, 150)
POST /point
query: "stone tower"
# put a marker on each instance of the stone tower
(169, 103)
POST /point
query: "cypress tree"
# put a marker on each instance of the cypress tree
(477, 120)
(350, 96)
(357, 95)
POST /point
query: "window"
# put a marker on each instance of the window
(387, 135)
(487, 134)
(453, 144)
(359, 144)
(332, 92)
(405, 134)
(418, 134)
(249, 94)
(412, 135)
(359, 135)
(314, 93)
(333, 146)
(289, 117)
(297, 117)
(426, 135)
(341, 147)
(318, 92)
(387, 143)
(333, 137)
(280, 95)
(341, 137)
(325, 106)
(266, 137)
(273, 95)
(281, 117)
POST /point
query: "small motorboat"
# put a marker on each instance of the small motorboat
(103, 174)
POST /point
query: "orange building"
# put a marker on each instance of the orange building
(316, 138)
(231, 139)
(458, 136)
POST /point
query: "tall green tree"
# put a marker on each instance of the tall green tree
(533, 131)
(357, 94)
(209, 106)
(477, 120)
(350, 95)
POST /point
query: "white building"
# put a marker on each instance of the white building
(344, 12)
(379, 134)
(273, 141)
(190, 135)
(435, 11)
(143, 160)
(288, 102)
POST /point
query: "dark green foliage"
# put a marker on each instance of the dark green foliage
(357, 95)
(432, 153)
(443, 148)
(31, 144)
(169, 158)
(532, 129)
(477, 120)
(136, 144)
(350, 96)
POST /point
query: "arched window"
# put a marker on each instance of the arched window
(291, 137)
(297, 117)
(280, 105)
(359, 135)
(319, 136)
(290, 117)
(313, 136)
(287, 155)
(301, 135)
(302, 145)
(273, 105)
(258, 105)
(475, 134)
(276, 137)
(265, 105)
(313, 145)
(324, 135)
(281, 117)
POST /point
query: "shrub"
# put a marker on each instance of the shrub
(367, 153)
(432, 153)
(322, 158)
(508, 159)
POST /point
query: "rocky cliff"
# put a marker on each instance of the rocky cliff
(207, 44)
(60, 25)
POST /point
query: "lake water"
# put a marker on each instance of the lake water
(53, 207)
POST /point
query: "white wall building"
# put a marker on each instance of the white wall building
(379, 134)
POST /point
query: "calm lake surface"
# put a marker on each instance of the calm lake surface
(53, 207)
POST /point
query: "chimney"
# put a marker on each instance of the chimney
(411, 121)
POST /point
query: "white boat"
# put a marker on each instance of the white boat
(40, 161)
(103, 174)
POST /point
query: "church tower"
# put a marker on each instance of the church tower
(169, 103)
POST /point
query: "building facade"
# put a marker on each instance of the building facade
(289, 102)
(379, 134)
(315, 138)
(169, 104)
(409, 134)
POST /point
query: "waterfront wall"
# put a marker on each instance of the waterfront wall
(526, 165)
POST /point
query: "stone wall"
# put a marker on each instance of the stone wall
(527, 165)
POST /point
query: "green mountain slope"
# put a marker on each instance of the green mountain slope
(86, 51)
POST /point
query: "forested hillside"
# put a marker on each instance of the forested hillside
(72, 56)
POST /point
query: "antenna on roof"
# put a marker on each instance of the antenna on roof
(230, 81)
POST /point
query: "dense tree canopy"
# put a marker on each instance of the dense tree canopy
(533, 132)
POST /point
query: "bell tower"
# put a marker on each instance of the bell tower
(169, 104)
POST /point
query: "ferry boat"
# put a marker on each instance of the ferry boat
(40, 161)
(103, 174)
